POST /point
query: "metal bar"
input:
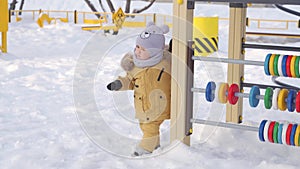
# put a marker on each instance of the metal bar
(262, 86)
(256, 46)
(225, 60)
(246, 95)
(189, 85)
(226, 125)
(274, 79)
(273, 34)
(291, 2)
(198, 90)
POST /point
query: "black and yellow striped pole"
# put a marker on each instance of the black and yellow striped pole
(205, 35)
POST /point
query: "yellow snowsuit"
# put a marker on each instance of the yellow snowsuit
(152, 95)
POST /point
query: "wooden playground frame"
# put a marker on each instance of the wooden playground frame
(182, 97)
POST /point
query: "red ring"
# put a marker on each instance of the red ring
(234, 88)
(288, 65)
(298, 102)
(288, 134)
(270, 131)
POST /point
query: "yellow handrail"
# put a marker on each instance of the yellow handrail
(146, 18)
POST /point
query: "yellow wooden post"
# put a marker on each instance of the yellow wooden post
(237, 30)
(4, 17)
(154, 18)
(4, 42)
(182, 32)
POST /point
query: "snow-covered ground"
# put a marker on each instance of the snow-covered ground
(55, 111)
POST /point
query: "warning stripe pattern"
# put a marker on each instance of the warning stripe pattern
(206, 45)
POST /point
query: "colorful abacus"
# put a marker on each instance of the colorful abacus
(282, 65)
(281, 99)
(281, 133)
(274, 64)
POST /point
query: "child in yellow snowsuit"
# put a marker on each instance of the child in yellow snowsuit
(148, 74)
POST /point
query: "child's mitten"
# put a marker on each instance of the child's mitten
(115, 85)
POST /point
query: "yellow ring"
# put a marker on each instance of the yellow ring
(281, 99)
(297, 136)
(292, 66)
(271, 64)
(222, 92)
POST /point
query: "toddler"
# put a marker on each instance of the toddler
(148, 74)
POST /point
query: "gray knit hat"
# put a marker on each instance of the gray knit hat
(153, 40)
(153, 36)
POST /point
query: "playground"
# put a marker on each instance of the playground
(47, 72)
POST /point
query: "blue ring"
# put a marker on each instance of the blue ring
(253, 101)
(292, 137)
(266, 64)
(283, 66)
(261, 130)
(279, 137)
(290, 100)
(209, 95)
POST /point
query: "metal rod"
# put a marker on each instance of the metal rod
(273, 34)
(246, 95)
(256, 46)
(261, 86)
(189, 85)
(226, 125)
(225, 60)
(274, 79)
(198, 90)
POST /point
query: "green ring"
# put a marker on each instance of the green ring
(275, 132)
(297, 66)
(268, 98)
(276, 65)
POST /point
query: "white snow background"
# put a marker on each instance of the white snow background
(48, 120)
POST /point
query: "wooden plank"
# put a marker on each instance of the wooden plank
(174, 90)
(236, 72)
(182, 32)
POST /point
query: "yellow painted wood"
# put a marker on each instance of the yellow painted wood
(3, 24)
(134, 24)
(4, 42)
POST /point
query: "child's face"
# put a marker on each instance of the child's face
(141, 53)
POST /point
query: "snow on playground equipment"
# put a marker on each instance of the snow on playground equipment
(274, 65)
(94, 22)
(42, 18)
(16, 13)
(117, 19)
(45, 17)
(4, 24)
(54, 17)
